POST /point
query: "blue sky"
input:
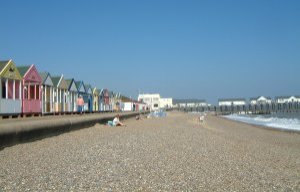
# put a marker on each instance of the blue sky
(180, 49)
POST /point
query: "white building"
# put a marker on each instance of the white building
(166, 103)
(291, 99)
(232, 102)
(260, 100)
(155, 102)
(152, 100)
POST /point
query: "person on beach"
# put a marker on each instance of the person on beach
(201, 118)
(116, 121)
(138, 117)
(80, 103)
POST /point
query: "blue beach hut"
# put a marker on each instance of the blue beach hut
(83, 93)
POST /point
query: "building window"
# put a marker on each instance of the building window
(26, 92)
(37, 93)
(155, 105)
(31, 96)
(3, 88)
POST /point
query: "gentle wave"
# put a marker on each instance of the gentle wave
(269, 121)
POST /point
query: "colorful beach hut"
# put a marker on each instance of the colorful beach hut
(111, 100)
(88, 100)
(60, 93)
(47, 93)
(96, 97)
(82, 92)
(72, 95)
(117, 103)
(10, 101)
(31, 83)
(104, 100)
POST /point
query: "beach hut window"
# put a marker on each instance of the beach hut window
(26, 92)
(37, 93)
(17, 89)
(10, 89)
(3, 89)
(31, 96)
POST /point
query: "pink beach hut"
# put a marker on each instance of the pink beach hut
(31, 92)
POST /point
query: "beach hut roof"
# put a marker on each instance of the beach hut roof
(125, 99)
(23, 69)
(46, 78)
(9, 70)
(111, 93)
(88, 88)
(69, 82)
(44, 75)
(71, 86)
(56, 80)
(78, 84)
(96, 91)
(3, 64)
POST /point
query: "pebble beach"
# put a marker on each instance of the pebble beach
(174, 153)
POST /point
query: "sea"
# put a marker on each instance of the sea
(285, 121)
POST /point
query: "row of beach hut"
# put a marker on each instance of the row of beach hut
(25, 90)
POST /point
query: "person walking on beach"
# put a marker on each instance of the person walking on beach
(80, 104)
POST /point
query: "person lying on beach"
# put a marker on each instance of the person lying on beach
(116, 121)
(138, 117)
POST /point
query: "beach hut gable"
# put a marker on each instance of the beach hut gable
(88, 89)
(101, 92)
(32, 75)
(96, 91)
(46, 79)
(63, 84)
(81, 87)
(9, 70)
(59, 82)
(72, 85)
